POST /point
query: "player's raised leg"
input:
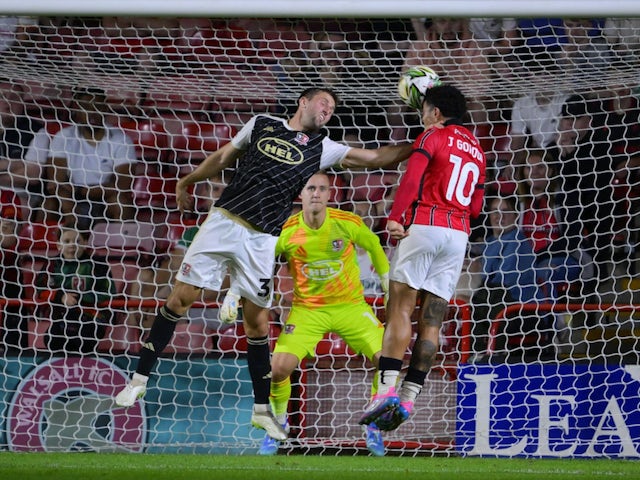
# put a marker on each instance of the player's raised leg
(432, 313)
(179, 301)
(397, 335)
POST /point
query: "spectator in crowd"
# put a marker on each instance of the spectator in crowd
(75, 286)
(329, 55)
(391, 40)
(14, 327)
(14, 33)
(586, 50)
(620, 115)
(316, 56)
(623, 34)
(587, 167)
(620, 119)
(542, 37)
(293, 69)
(535, 116)
(17, 131)
(448, 46)
(154, 283)
(32, 176)
(508, 274)
(497, 38)
(325, 299)
(93, 165)
(542, 221)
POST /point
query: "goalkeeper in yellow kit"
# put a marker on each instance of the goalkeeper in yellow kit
(319, 244)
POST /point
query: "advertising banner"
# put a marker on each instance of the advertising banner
(549, 410)
(66, 404)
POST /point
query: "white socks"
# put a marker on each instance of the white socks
(409, 392)
(387, 380)
(139, 379)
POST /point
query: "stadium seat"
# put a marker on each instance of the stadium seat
(370, 187)
(125, 100)
(38, 239)
(175, 120)
(30, 266)
(233, 340)
(173, 230)
(339, 190)
(206, 45)
(283, 40)
(495, 140)
(191, 338)
(38, 329)
(120, 338)
(122, 239)
(123, 272)
(237, 110)
(46, 100)
(150, 138)
(177, 93)
(199, 139)
(54, 126)
(366, 187)
(152, 189)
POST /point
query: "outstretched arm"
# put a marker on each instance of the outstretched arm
(383, 157)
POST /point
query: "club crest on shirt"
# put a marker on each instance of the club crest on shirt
(185, 269)
(302, 138)
(289, 328)
(337, 245)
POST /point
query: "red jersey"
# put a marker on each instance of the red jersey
(443, 185)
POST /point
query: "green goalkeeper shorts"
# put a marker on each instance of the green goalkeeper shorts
(356, 324)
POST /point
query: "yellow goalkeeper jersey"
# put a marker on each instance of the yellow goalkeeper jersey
(324, 262)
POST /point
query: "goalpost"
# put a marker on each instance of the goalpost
(180, 80)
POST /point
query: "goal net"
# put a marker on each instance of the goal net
(553, 102)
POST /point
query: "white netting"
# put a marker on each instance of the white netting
(180, 87)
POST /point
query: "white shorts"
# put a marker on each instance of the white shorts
(430, 259)
(224, 243)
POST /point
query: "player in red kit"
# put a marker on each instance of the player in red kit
(440, 192)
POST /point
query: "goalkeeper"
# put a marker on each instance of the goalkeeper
(319, 244)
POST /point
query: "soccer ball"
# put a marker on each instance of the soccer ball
(415, 82)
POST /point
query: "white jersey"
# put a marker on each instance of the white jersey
(90, 165)
(538, 120)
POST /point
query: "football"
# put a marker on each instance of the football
(415, 82)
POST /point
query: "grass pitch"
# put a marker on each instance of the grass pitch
(106, 466)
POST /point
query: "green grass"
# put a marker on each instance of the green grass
(89, 466)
